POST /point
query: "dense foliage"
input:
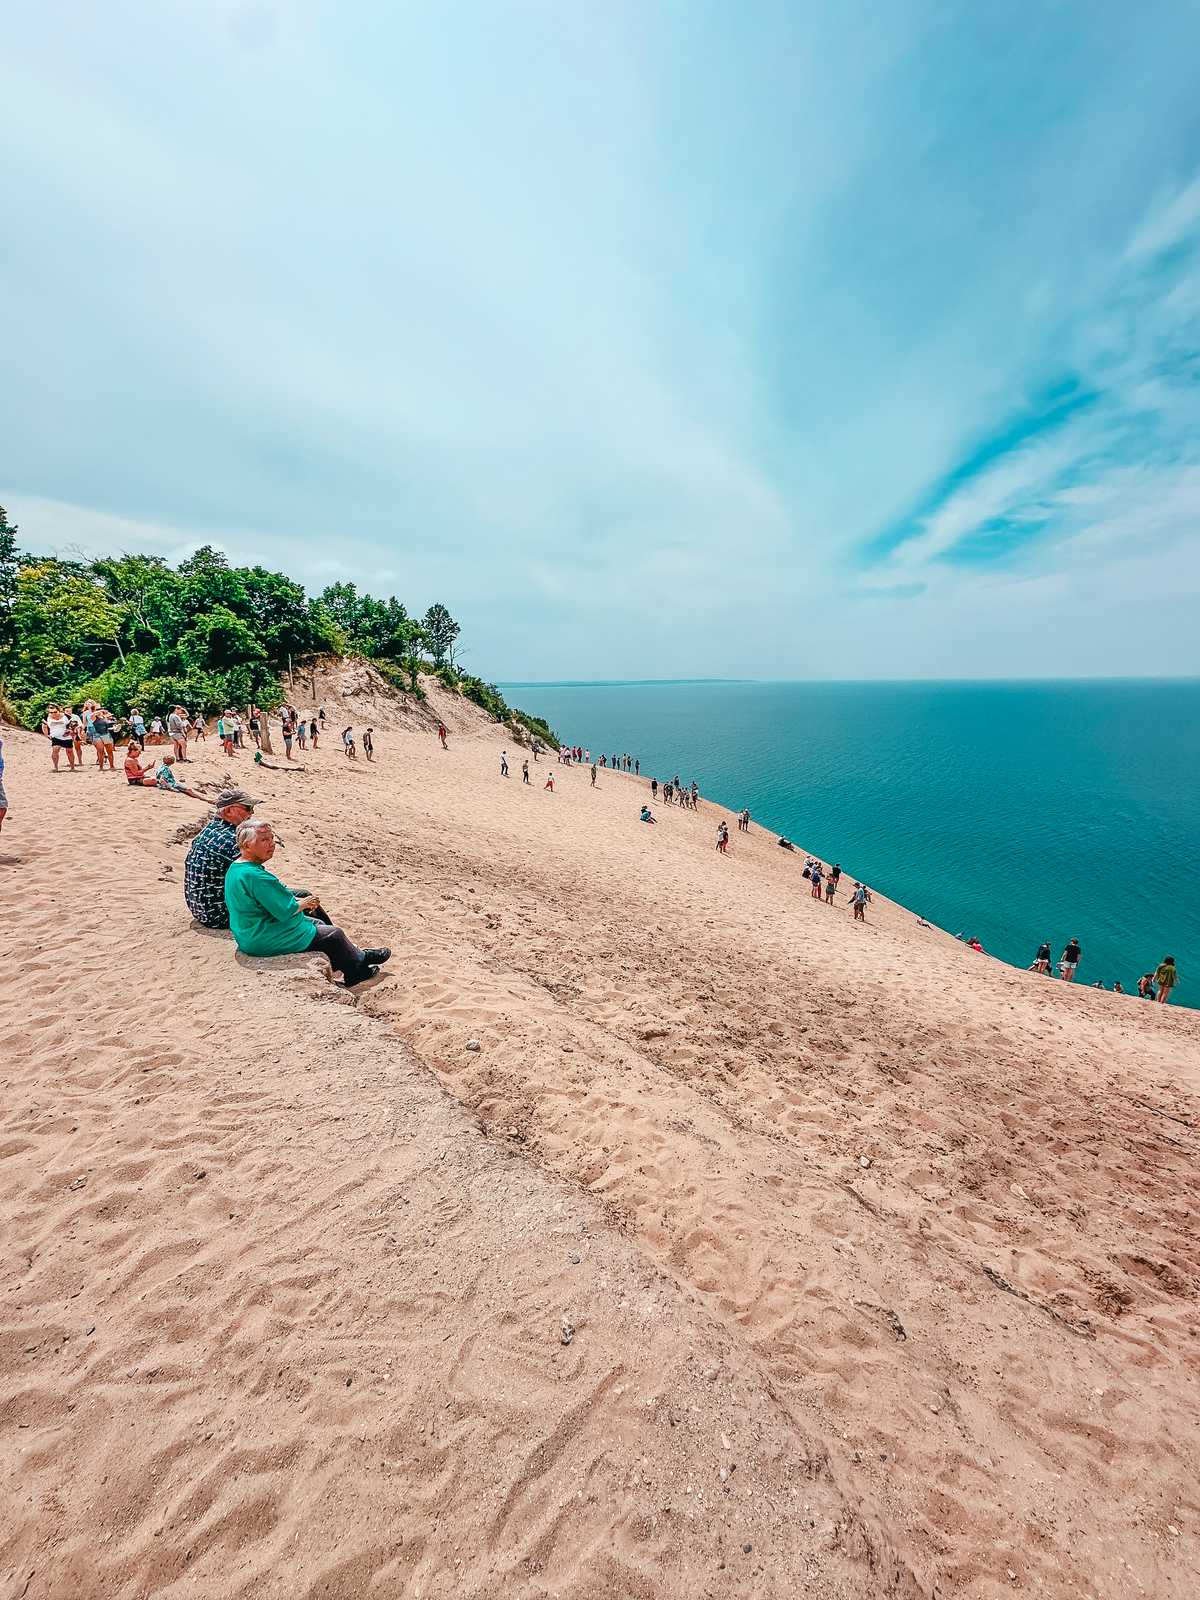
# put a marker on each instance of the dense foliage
(133, 630)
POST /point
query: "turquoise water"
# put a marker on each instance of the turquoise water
(1013, 811)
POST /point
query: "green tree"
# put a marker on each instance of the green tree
(10, 565)
(441, 632)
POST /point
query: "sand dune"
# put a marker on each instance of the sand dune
(881, 1256)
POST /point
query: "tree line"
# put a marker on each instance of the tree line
(133, 630)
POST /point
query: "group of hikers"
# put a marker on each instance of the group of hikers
(1157, 985)
(70, 732)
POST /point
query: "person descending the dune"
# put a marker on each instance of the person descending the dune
(549, 783)
(654, 788)
(348, 743)
(593, 774)
(56, 725)
(723, 838)
(1068, 962)
(504, 763)
(1041, 961)
(525, 770)
(647, 815)
(1166, 977)
(369, 744)
(442, 735)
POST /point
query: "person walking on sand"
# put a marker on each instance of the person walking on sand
(442, 735)
(525, 770)
(722, 838)
(289, 731)
(138, 725)
(312, 732)
(593, 774)
(254, 722)
(103, 723)
(1166, 977)
(549, 783)
(225, 731)
(859, 901)
(302, 733)
(1068, 962)
(199, 731)
(654, 788)
(57, 728)
(75, 727)
(369, 744)
(321, 716)
(504, 763)
(348, 743)
(177, 732)
(269, 919)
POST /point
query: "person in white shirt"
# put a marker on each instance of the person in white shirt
(57, 728)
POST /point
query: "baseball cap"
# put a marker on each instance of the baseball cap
(235, 797)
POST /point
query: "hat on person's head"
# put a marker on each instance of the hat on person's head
(235, 797)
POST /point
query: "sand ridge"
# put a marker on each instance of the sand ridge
(933, 1215)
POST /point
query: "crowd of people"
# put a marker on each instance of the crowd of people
(267, 918)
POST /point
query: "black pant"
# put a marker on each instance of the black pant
(344, 956)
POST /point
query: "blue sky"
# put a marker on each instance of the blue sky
(773, 340)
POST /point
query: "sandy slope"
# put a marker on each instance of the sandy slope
(280, 1316)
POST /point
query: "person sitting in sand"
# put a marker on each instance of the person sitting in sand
(1145, 986)
(273, 766)
(647, 815)
(1118, 987)
(1166, 977)
(212, 853)
(786, 844)
(165, 778)
(135, 772)
(269, 919)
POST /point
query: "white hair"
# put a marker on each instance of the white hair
(250, 830)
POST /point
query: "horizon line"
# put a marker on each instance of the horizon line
(635, 683)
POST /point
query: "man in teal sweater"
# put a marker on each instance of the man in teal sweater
(269, 919)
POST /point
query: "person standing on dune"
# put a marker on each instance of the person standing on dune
(504, 763)
(593, 774)
(525, 770)
(1068, 962)
(1166, 977)
(369, 744)
(549, 783)
(859, 901)
(442, 735)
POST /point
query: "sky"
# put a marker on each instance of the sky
(775, 340)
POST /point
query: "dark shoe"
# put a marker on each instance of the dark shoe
(379, 956)
(353, 978)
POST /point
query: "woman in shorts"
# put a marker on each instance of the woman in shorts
(57, 728)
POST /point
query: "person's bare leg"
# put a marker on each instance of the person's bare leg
(1164, 995)
(55, 751)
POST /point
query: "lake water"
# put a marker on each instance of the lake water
(1012, 811)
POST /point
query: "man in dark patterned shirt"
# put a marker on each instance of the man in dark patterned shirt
(213, 848)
